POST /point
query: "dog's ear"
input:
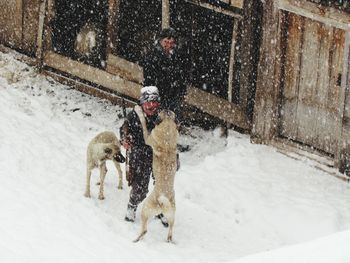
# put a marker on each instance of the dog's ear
(108, 150)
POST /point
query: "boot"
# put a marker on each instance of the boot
(130, 213)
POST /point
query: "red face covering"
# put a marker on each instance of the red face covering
(150, 107)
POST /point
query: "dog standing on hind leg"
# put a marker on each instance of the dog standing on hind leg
(163, 140)
(104, 146)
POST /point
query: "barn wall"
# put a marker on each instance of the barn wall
(19, 24)
(30, 25)
(11, 23)
(323, 89)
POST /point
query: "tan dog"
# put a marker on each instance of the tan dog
(86, 40)
(163, 140)
(105, 146)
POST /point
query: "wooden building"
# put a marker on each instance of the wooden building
(220, 40)
(302, 91)
(275, 68)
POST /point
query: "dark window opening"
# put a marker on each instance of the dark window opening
(138, 23)
(81, 16)
(207, 36)
(339, 4)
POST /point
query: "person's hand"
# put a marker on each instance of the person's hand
(126, 145)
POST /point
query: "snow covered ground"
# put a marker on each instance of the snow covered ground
(232, 201)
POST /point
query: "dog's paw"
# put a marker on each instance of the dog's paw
(101, 197)
(87, 195)
(120, 187)
(171, 242)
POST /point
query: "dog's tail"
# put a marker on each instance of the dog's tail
(164, 201)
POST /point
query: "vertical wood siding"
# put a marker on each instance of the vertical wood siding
(19, 24)
(311, 107)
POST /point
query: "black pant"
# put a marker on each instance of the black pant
(140, 168)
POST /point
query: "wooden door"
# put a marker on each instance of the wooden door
(311, 106)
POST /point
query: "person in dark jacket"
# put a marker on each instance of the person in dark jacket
(140, 154)
(164, 69)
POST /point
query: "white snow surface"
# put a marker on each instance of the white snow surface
(236, 201)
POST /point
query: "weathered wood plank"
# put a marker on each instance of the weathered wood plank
(291, 77)
(317, 115)
(165, 13)
(232, 61)
(30, 25)
(92, 74)
(217, 107)
(88, 89)
(215, 8)
(11, 22)
(307, 108)
(324, 137)
(18, 28)
(335, 90)
(126, 69)
(327, 15)
(40, 34)
(342, 153)
(237, 3)
(330, 108)
(265, 116)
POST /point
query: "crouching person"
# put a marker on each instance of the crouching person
(140, 154)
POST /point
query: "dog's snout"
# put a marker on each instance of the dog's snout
(119, 158)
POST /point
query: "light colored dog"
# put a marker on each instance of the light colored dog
(105, 146)
(163, 140)
(86, 39)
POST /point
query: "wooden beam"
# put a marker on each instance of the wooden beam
(39, 41)
(215, 8)
(165, 13)
(90, 90)
(232, 60)
(237, 3)
(126, 69)
(327, 15)
(265, 115)
(92, 74)
(217, 107)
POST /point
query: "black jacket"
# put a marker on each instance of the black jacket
(167, 74)
(131, 130)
